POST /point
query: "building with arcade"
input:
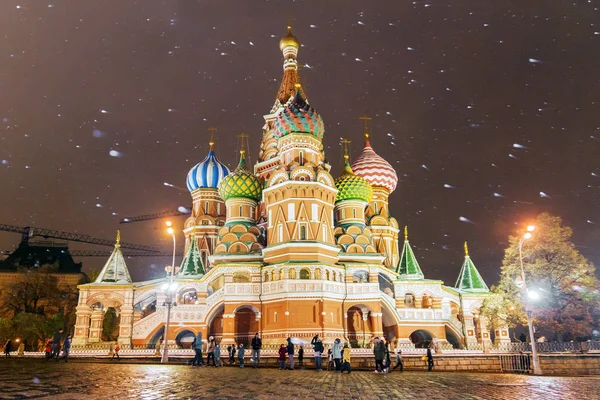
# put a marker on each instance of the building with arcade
(286, 248)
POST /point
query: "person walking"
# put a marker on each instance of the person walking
(330, 364)
(301, 357)
(290, 352)
(256, 346)
(218, 355)
(282, 353)
(241, 355)
(197, 346)
(116, 352)
(399, 362)
(232, 350)
(337, 354)
(8, 348)
(318, 351)
(429, 358)
(67, 348)
(48, 350)
(346, 360)
(210, 351)
(388, 361)
(379, 352)
(56, 343)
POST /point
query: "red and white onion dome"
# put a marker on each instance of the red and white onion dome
(373, 168)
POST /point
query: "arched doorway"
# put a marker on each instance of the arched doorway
(157, 337)
(184, 339)
(453, 339)
(110, 325)
(245, 325)
(359, 326)
(215, 327)
(390, 324)
(421, 338)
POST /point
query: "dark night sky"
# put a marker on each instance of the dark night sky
(488, 110)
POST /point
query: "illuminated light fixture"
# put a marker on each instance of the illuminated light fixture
(531, 228)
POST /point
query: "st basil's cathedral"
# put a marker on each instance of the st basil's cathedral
(285, 249)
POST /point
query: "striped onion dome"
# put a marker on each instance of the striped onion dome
(377, 171)
(298, 116)
(207, 174)
(352, 187)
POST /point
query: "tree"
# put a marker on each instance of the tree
(110, 325)
(569, 300)
(35, 292)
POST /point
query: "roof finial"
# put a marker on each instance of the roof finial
(212, 137)
(466, 250)
(346, 149)
(366, 119)
(118, 242)
(243, 138)
(406, 233)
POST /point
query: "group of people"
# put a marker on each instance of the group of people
(213, 352)
(52, 348)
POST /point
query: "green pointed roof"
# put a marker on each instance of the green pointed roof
(469, 279)
(408, 266)
(115, 270)
(192, 262)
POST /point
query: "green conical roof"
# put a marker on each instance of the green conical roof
(352, 187)
(469, 279)
(241, 183)
(408, 266)
(192, 262)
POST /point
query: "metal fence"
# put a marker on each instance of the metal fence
(520, 363)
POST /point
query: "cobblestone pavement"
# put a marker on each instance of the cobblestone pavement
(88, 380)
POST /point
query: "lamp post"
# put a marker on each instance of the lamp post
(536, 361)
(169, 288)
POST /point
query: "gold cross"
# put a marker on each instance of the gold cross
(346, 148)
(212, 137)
(366, 119)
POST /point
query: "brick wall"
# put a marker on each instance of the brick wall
(570, 364)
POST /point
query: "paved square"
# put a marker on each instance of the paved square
(102, 380)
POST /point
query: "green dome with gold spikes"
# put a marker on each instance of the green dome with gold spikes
(352, 187)
(240, 183)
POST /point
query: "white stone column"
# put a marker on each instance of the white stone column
(96, 321)
(82, 325)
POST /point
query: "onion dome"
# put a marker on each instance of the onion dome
(352, 187)
(298, 116)
(241, 183)
(208, 173)
(372, 167)
(289, 40)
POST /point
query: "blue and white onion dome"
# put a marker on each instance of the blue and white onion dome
(207, 174)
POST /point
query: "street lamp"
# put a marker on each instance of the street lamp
(169, 288)
(532, 296)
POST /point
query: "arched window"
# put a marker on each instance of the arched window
(354, 213)
(304, 274)
(326, 274)
(266, 278)
(281, 275)
(302, 232)
(409, 300)
(301, 158)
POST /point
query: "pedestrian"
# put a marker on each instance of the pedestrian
(67, 348)
(56, 343)
(399, 363)
(197, 346)
(318, 349)
(241, 355)
(218, 355)
(330, 364)
(282, 353)
(290, 352)
(337, 354)
(429, 358)
(346, 360)
(48, 350)
(8, 348)
(388, 361)
(379, 352)
(232, 350)
(301, 357)
(210, 351)
(256, 346)
(116, 352)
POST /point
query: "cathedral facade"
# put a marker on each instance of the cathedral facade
(286, 249)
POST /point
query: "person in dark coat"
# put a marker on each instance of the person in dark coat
(290, 352)
(301, 357)
(8, 348)
(429, 359)
(399, 360)
(318, 348)
(241, 354)
(56, 343)
(197, 346)
(379, 352)
(282, 353)
(256, 345)
(388, 361)
(67, 348)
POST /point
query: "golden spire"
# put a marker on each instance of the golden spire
(466, 250)
(406, 233)
(346, 149)
(212, 137)
(289, 40)
(243, 142)
(366, 120)
(118, 242)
